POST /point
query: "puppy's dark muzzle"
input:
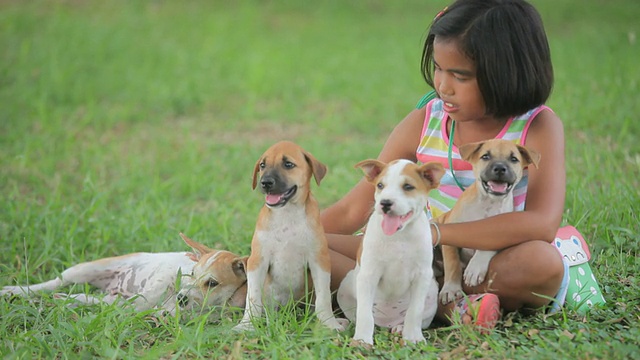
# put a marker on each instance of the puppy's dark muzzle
(499, 171)
(271, 183)
(498, 178)
(267, 184)
(183, 300)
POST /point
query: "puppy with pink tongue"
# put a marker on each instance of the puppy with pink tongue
(393, 284)
(392, 223)
(498, 166)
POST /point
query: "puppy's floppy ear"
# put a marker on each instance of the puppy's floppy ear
(431, 172)
(318, 169)
(256, 170)
(530, 156)
(198, 249)
(239, 267)
(468, 152)
(371, 168)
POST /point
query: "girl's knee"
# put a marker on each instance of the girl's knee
(529, 273)
(549, 263)
(535, 257)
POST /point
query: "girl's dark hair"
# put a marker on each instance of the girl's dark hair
(507, 42)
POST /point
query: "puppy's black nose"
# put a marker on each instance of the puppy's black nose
(499, 169)
(386, 205)
(182, 300)
(267, 183)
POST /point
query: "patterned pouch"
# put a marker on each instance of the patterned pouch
(582, 290)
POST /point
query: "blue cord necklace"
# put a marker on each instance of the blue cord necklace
(453, 174)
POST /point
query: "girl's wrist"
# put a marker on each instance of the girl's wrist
(436, 236)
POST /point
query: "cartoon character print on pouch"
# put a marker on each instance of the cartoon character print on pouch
(583, 291)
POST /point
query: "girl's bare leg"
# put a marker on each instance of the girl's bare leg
(517, 275)
(343, 250)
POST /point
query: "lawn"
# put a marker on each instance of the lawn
(123, 123)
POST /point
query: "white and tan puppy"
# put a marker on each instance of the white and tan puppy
(498, 165)
(393, 284)
(289, 242)
(148, 280)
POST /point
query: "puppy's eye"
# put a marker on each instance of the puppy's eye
(408, 187)
(262, 165)
(380, 185)
(514, 159)
(289, 165)
(211, 283)
(485, 156)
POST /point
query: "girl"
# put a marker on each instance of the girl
(490, 66)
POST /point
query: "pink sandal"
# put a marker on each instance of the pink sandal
(487, 312)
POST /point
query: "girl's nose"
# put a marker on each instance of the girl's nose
(444, 87)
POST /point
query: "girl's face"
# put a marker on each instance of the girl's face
(455, 81)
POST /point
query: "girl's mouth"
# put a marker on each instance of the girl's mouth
(449, 107)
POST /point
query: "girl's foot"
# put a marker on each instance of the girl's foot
(484, 308)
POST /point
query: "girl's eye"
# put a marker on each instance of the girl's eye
(289, 165)
(461, 78)
(211, 283)
(380, 186)
(408, 187)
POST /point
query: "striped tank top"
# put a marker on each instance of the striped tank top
(434, 146)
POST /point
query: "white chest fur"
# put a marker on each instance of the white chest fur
(484, 206)
(399, 259)
(287, 247)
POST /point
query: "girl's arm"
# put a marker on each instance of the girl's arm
(350, 213)
(544, 203)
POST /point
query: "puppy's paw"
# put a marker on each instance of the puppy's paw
(336, 324)
(397, 329)
(450, 292)
(244, 326)
(413, 337)
(342, 324)
(361, 344)
(474, 276)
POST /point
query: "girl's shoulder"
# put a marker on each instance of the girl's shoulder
(518, 127)
(545, 125)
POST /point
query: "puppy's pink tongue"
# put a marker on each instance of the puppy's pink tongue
(391, 224)
(497, 186)
(273, 198)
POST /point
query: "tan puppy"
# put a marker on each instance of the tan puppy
(498, 165)
(148, 280)
(393, 284)
(289, 241)
(217, 280)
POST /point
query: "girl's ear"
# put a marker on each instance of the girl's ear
(371, 168)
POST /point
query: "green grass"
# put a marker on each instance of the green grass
(123, 123)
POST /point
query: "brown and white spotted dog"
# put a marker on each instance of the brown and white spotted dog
(148, 280)
(393, 284)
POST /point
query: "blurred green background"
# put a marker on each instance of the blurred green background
(123, 123)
